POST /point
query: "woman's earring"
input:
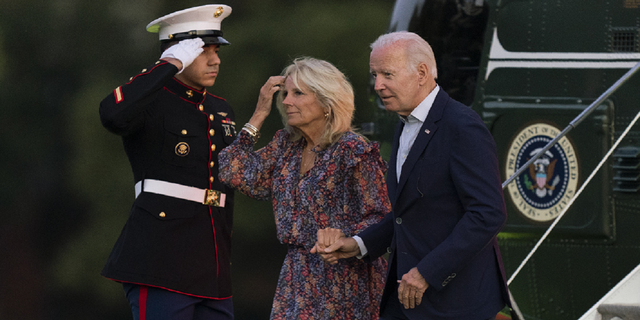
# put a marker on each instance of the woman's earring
(326, 115)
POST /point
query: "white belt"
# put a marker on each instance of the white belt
(204, 196)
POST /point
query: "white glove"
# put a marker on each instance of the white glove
(186, 51)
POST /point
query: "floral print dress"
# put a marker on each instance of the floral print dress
(344, 189)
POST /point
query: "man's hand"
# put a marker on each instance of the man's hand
(186, 51)
(411, 288)
(332, 245)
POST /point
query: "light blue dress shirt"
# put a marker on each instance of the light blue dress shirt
(412, 125)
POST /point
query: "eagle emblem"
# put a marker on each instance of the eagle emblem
(541, 172)
(182, 149)
(219, 12)
(542, 191)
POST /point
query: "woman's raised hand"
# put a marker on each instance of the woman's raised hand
(263, 107)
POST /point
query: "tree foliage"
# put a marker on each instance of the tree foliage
(66, 183)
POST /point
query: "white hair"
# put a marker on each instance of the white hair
(417, 50)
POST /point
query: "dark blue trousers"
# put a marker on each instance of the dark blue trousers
(149, 303)
(393, 310)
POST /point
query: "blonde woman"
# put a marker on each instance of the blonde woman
(318, 174)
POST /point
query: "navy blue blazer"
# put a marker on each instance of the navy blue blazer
(448, 208)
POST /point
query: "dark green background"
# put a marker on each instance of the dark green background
(65, 182)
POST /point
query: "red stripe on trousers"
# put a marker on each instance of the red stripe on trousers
(142, 303)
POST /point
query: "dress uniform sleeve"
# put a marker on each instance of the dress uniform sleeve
(120, 111)
(248, 171)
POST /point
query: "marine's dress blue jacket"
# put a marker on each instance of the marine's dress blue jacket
(172, 132)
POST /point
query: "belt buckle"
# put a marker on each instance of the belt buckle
(212, 197)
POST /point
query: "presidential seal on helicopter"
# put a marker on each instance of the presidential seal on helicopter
(541, 193)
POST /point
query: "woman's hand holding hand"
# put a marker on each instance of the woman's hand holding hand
(333, 245)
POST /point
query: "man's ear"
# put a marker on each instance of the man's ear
(423, 73)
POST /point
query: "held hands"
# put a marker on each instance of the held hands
(186, 51)
(332, 245)
(411, 288)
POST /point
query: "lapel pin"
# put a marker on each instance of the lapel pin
(427, 131)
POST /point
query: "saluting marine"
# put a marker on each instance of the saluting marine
(173, 255)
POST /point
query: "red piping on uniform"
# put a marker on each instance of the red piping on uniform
(216, 96)
(215, 242)
(142, 303)
(196, 90)
(118, 94)
(215, 239)
(163, 288)
(165, 88)
(189, 87)
(149, 71)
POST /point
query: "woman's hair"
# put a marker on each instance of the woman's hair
(333, 91)
(417, 50)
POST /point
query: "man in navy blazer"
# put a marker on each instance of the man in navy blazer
(445, 190)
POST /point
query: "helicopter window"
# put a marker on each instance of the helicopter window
(455, 29)
(624, 40)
